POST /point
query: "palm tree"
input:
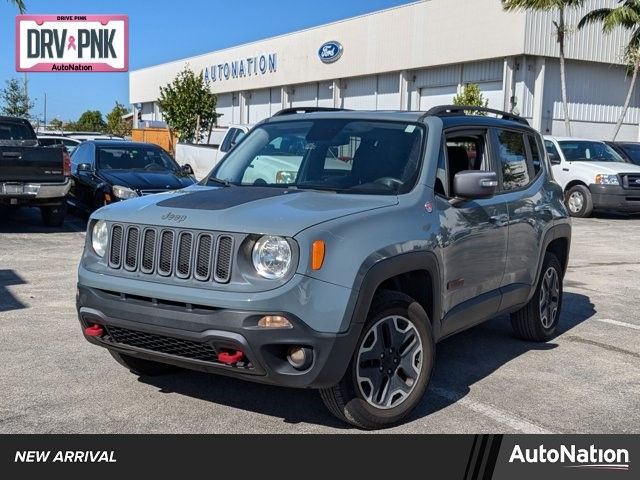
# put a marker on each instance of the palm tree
(627, 16)
(561, 7)
(20, 4)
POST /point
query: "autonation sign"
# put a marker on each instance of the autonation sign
(244, 67)
(72, 43)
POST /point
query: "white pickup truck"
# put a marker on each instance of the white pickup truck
(593, 176)
(202, 158)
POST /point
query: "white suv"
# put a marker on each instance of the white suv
(593, 176)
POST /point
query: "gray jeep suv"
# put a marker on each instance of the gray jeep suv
(333, 250)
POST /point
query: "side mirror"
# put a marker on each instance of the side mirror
(554, 158)
(187, 170)
(84, 167)
(470, 184)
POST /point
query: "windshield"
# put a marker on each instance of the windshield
(633, 152)
(350, 156)
(586, 151)
(135, 158)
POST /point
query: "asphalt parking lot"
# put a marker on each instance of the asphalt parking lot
(587, 380)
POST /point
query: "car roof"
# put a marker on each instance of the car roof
(572, 139)
(53, 135)
(449, 120)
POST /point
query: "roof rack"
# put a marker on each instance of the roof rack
(451, 110)
(294, 110)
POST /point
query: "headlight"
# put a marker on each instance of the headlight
(602, 179)
(99, 238)
(272, 257)
(123, 192)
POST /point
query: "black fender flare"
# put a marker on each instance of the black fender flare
(382, 270)
(562, 230)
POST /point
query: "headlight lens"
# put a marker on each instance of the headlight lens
(99, 238)
(603, 179)
(271, 257)
(123, 192)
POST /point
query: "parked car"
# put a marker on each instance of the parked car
(32, 175)
(59, 140)
(202, 158)
(630, 151)
(340, 279)
(593, 176)
(107, 171)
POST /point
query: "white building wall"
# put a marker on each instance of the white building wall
(596, 95)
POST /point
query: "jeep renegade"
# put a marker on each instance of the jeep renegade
(333, 250)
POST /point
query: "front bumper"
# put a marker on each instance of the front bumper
(159, 326)
(614, 197)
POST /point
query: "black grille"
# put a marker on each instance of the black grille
(632, 181)
(162, 344)
(183, 266)
(116, 246)
(203, 257)
(131, 251)
(223, 259)
(183, 254)
(148, 250)
(166, 252)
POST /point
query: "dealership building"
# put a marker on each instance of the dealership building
(414, 57)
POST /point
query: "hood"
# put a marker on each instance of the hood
(143, 180)
(258, 210)
(608, 167)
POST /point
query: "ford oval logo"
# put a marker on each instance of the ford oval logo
(330, 52)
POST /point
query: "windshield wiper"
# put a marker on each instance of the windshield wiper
(220, 181)
(311, 186)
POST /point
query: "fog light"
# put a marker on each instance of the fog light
(300, 357)
(274, 321)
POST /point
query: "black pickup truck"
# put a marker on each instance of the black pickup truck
(31, 175)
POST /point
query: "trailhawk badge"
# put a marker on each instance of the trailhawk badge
(330, 52)
(72, 43)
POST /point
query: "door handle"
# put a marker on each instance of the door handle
(543, 207)
(565, 169)
(499, 220)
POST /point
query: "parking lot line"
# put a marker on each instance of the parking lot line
(491, 412)
(618, 323)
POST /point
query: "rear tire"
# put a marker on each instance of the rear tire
(143, 367)
(390, 368)
(538, 320)
(579, 202)
(53, 216)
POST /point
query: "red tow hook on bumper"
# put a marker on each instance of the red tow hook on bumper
(94, 331)
(230, 357)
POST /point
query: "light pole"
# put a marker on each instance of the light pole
(45, 110)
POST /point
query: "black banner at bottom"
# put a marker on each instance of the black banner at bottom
(464, 457)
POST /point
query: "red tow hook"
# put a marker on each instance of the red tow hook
(94, 330)
(230, 357)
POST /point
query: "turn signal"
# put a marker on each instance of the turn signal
(317, 255)
(274, 321)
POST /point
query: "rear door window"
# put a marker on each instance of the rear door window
(512, 159)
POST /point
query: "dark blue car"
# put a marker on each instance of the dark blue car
(108, 171)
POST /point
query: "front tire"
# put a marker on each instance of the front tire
(579, 202)
(390, 368)
(538, 320)
(142, 367)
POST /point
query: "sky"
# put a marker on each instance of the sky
(161, 31)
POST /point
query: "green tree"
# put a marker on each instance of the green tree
(20, 5)
(471, 95)
(561, 7)
(15, 101)
(90, 121)
(115, 124)
(626, 15)
(56, 124)
(187, 105)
